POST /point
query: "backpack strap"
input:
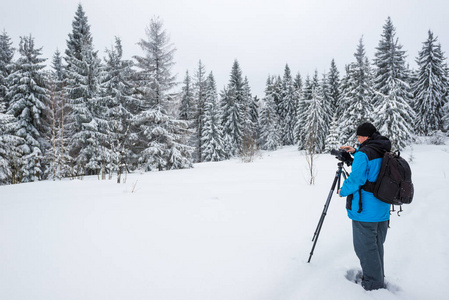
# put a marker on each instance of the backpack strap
(369, 187)
(360, 201)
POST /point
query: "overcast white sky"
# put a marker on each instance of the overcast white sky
(263, 35)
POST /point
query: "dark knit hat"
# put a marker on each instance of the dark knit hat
(366, 129)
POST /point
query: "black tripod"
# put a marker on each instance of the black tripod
(337, 179)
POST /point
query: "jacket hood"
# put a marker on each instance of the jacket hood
(378, 143)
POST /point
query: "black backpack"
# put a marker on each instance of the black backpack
(394, 182)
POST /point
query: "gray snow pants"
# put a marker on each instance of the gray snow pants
(369, 238)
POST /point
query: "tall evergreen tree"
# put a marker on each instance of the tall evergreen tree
(187, 106)
(393, 114)
(57, 155)
(200, 83)
(311, 89)
(288, 108)
(6, 56)
(431, 87)
(357, 94)
(86, 119)
(270, 133)
(333, 138)
(232, 105)
(122, 106)
(327, 103)
(315, 124)
(333, 80)
(11, 161)
(212, 139)
(306, 96)
(28, 96)
(162, 137)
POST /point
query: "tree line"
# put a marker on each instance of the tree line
(102, 116)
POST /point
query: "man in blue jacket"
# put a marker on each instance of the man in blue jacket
(369, 215)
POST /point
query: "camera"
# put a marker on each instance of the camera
(342, 156)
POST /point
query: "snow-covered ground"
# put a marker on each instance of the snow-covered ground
(227, 230)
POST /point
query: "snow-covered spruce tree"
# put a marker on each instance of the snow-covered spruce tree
(57, 155)
(212, 139)
(431, 87)
(162, 138)
(10, 154)
(333, 138)
(200, 82)
(250, 123)
(446, 117)
(7, 122)
(232, 106)
(342, 103)
(270, 133)
(392, 113)
(310, 86)
(315, 124)
(28, 96)
(288, 108)
(253, 113)
(122, 105)
(357, 95)
(86, 119)
(6, 56)
(301, 112)
(299, 85)
(187, 107)
(327, 103)
(313, 130)
(255, 118)
(333, 80)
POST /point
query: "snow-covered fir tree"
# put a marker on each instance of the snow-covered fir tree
(288, 108)
(270, 132)
(431, 87)
(312, 88)
(301, 110)
(333, 138)
(200, 82)
(187, 105)
(254, 108)
(333, 80)
(6, 56)
(162, 138)
(327, 103)
(212, 139)
(86, 119)
(357, 96)
(232, 106)
(59, 160)
(9, 156)
(28, 96)
(393, 115)
(342, 103)
(250, 122)
(299, 85)
(122, 105)
(315, 124)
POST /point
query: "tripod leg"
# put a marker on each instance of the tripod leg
(323, 214)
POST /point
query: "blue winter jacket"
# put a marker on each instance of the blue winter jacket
(366, 167)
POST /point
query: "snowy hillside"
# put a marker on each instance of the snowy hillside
(227, 230)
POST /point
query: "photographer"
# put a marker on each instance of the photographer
(369, 215)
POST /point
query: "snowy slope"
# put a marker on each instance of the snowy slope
(227, 230)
